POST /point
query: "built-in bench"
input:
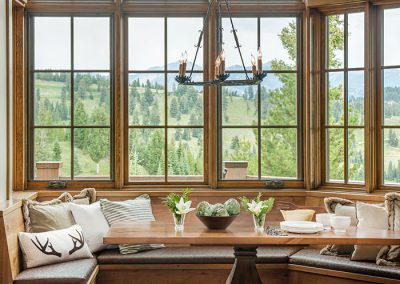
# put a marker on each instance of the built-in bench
(194, 264)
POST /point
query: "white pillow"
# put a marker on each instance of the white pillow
(93, 223)
(53, 247)
(370, 216)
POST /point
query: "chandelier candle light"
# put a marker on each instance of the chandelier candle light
(220, 77)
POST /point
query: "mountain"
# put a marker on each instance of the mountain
(271, 82)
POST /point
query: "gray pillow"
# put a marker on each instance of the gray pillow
(54, 214)
(138, 209)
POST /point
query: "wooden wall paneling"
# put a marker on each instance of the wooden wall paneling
(5, 268)
(118, 93)
(19, 100)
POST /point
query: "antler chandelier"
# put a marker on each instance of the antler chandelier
(220, 76)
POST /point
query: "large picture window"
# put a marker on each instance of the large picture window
(390, 80)
(70, 98)
(260, 127)
(165, 139)
(344, 100)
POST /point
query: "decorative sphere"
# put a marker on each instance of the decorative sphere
(204, 209)
(232, 206)
(219, 210)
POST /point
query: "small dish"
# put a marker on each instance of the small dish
(301, 227)
(324, 219)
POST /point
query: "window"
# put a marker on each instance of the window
(70, 98)
(390, 120)
(344, 105)
(260, 126)
(166, 124)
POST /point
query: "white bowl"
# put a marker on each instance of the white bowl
(324, 219)
(340, 223)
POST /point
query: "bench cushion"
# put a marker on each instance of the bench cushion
(312, 257)
(195, 255)
(71, 272)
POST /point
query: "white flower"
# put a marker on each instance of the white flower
(255, 207)
(183, 207)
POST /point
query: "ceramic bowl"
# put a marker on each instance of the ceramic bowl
(298, 215)
(324, 219)
(217, 223)
(340, 224)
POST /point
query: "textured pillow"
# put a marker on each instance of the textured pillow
(55, 214)
(370, 216)
(340, 207)
(390, 255)
(138, 209)
(93, 223)
(53, 247)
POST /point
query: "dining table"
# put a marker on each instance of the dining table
(243, 238)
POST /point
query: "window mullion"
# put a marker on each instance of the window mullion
(346, 118)
(166, 99)
(72, 132)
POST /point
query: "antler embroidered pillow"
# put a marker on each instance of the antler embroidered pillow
(53, 247)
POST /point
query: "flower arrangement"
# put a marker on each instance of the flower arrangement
(258, 208)
(179, 206)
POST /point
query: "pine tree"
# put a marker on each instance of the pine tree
(173, 109)
(57, 152)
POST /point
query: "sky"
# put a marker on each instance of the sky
(146, 41)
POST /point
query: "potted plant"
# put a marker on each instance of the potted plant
(259, 209)
(179, 206)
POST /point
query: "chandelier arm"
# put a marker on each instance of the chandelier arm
(236, 38)
(205, 24)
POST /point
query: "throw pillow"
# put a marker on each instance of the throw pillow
(390, 255)
(55, 214)
(138, 209)
(53, 247)
(340, 207)
(370, 216)
(93, 223)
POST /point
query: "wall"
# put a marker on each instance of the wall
(3, 102)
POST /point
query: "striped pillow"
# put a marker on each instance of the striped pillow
(138, 209)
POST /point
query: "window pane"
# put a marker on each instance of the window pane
(391, 55)
(335, 157)
(146, 154)
(52, 99)
(356, 40)
(52, 154)
(279, 99)
(356, 97)
(391, 96)
(146, 99)
(185, 154)
(146, 43)
(335, 111)
(92, 153)
(279, 153)
(92, 43)
(92, 99)
(336, 41)
(185, 103)
(240, 154)
(356, 170)
(52, 43)
(183, 35)
(247, 34)
(239, 105)
(391, 155)
(279, 43)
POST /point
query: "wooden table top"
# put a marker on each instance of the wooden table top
(196, 233)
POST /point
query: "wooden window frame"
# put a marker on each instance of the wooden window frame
(128, 180)
(297, 182)
(31, 71)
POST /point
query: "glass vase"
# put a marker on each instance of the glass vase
(179, 221)
(259, 222)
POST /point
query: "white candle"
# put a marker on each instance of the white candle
(222, 66)
(260, 67)
(217, 66)
(253, 65)
(184, 63)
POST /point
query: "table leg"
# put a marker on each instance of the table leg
(244, 270)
